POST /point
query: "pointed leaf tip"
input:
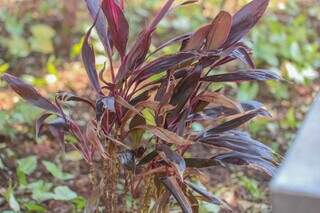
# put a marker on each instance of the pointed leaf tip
(28, 93)
(245, 19)
(118, 25)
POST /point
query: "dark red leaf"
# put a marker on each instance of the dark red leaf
(136, 56)
(138, 52)
(245, 19)
(28, 93)
(162, 13)
(118, 25)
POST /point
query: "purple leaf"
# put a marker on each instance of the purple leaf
(212, 113)
(245, 159)
(238, 141)
(162, 13)
(67, 96)
(172, 158)
(138, 52)
(41, 122)
(136, 56)
(245, 19)
(243, 75)
(186, 87)
(28, 93)
(162, 64)
(243, 55)
(175, 189)
(200, 162)
(172, 41)
(234, 123)
(89, 62)
(101, 24)
(207, 195)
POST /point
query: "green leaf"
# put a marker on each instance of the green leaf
(4, 67)
(56, 172)
(41, 40)
(148, 115)
(40, 190)
(64, 193)
(247, 91)
(1, 164)
(33, 207)
(9, 196)
(18, 46)
(73, 156)
(27, 165)
(22, 178)
(79, 203)
(251, 186)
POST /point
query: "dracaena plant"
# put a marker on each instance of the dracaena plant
(139, 140)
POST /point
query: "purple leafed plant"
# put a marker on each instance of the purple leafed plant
(140, 136)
